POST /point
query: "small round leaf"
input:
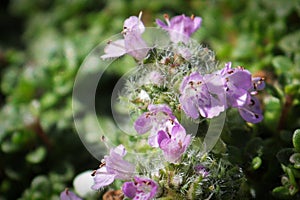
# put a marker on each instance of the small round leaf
(296, 140)
(256, 163)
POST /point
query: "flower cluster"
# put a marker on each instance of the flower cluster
(210, 94)
(179, 80)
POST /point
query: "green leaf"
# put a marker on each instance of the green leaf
(292, 89)
(296, 140)
(256, 163)
(254, 146)
(291, 42)
(24, 92)
(13, 174)
(296, 173)
(22, 138)
(9, 80)
(41, 184)
(61, 173)
(295, 159)
(49, 100)
(220, 147)
(9, 147)
(281, 192)
(36, 156)
(284, 155)
(282, 64)
(272, 112)
(291, 176)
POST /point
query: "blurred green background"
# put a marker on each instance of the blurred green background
(43, 43)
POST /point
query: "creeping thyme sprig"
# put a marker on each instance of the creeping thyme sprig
(183, 78)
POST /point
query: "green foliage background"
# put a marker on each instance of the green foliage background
(43, 43)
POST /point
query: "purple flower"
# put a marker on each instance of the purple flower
(132, 44)
(102, 178)
(113, 167)
(251, 112)
(173, 142)
(180, 27)
(140, 189)
(202, 94)
(68, 195)
(240, 87)
(154, 120)
(201, 170)
(237, 85)
(114, 49)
